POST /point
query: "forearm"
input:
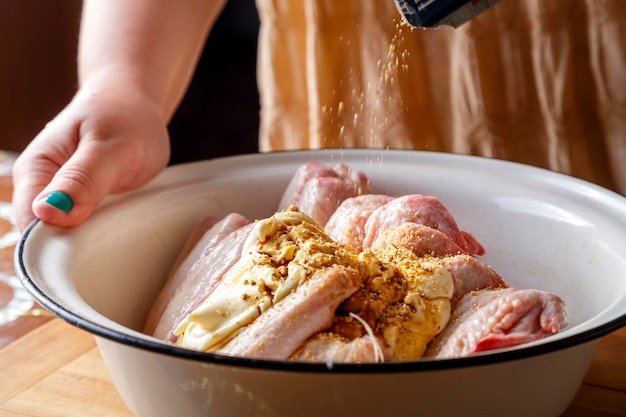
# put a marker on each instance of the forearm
(151, 46)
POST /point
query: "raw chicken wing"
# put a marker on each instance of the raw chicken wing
(200, 282)
(318, 190)
(309, 309)
(200, 243)
(347, 224)
(492, 319)
(425, 210)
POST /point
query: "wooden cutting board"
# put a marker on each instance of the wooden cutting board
(56, 371)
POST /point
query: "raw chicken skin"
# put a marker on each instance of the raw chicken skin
(347, 224)
(290, 281)
(202, 280)
(318, 190)
(309, 309)
(342, 275)
(331, 348)
(306, 172)
(280, 254)
(492, 319)
(419, 239)
(200, 243)
(425, 210)
(470, 274)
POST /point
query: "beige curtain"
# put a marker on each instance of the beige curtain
(539, 82)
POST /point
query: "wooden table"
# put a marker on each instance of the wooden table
(49, 368)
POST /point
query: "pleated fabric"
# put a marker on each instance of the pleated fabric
(533, 81)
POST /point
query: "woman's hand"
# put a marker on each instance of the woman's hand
(135, 61)
(102, 142)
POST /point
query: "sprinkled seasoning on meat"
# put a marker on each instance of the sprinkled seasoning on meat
(341, 275)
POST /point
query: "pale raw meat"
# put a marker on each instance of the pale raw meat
(201, 281)
(389, 278)
(280, 330)
(329, 348)
(198, 246)
(419, 239)
(318, 190)
(470, 274)
(492, 319)
(425, 210)
(306, 172)
(347, 224)
(201, 236)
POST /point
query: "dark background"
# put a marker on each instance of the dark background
(219, 115)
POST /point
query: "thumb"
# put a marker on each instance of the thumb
(30, 175)
(82, 182)
(64, 196)
(71, 196)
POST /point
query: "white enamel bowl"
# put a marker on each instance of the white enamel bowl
(540, 229)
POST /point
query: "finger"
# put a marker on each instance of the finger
(80, 184)
(25, 189)
(32, 171)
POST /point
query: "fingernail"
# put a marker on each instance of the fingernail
(60, 200)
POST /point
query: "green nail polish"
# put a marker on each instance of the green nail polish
(60, 200)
